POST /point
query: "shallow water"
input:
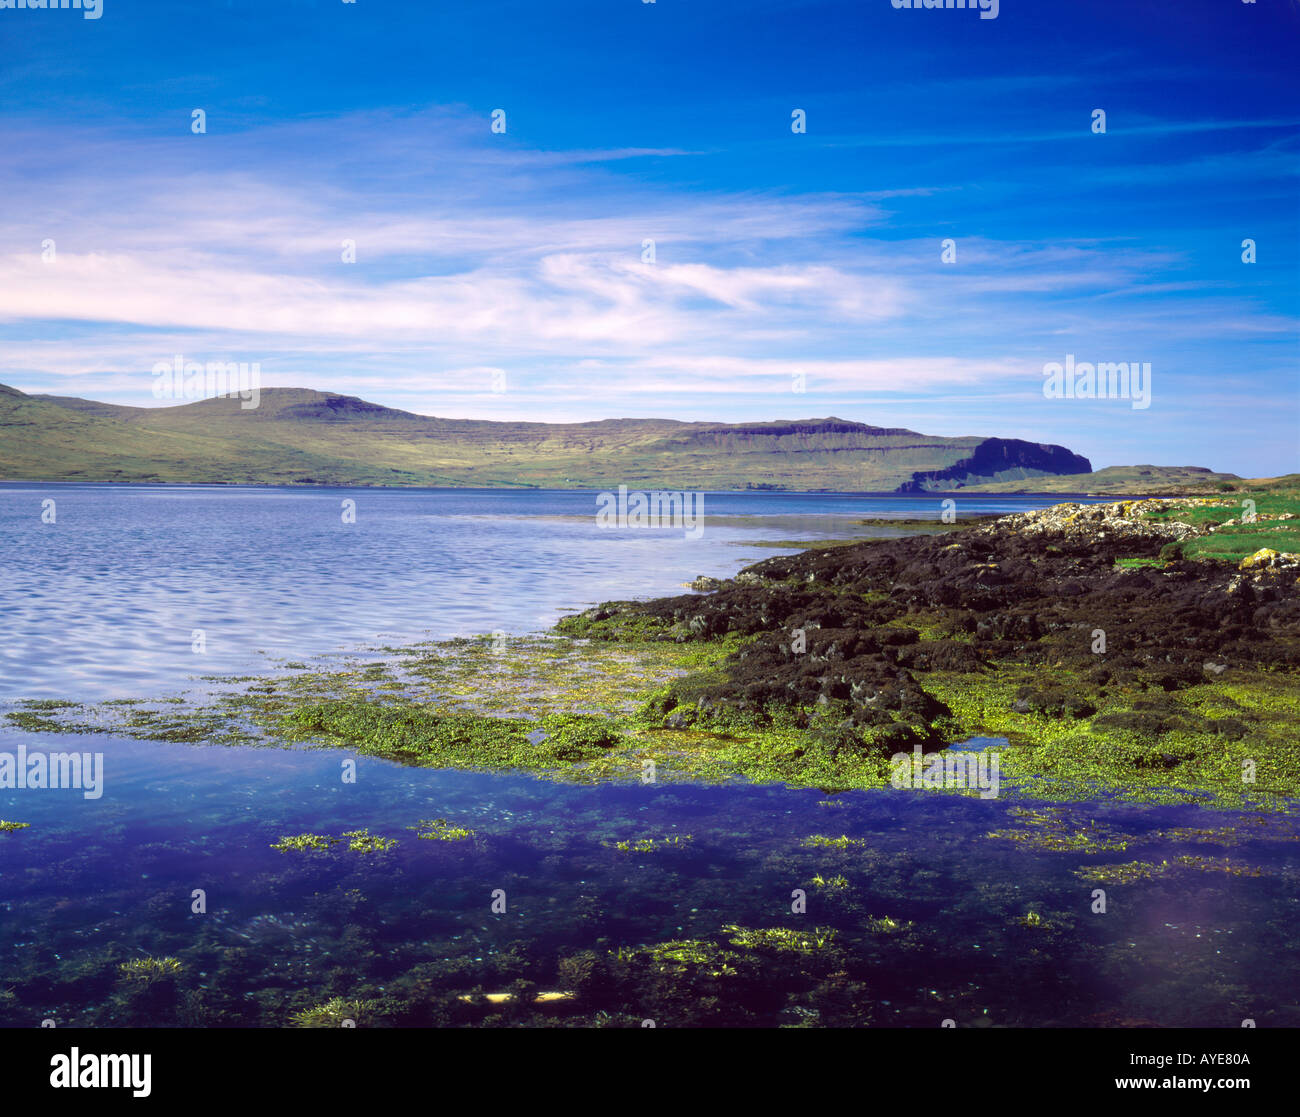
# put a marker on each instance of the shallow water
(102, 604)
(94, 883)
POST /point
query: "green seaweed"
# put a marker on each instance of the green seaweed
(440, 830)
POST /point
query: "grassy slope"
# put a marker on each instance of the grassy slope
(300, 436)
(1235, 541)
(1115, 480)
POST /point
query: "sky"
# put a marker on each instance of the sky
(797, 265)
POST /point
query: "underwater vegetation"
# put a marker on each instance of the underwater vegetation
(652, 845)
(357, 841)
(440, 830)
(615, 918)
(149, 970)
(334, 1013)
(300, 842)
(821, 841)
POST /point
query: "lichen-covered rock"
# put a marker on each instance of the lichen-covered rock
(1096, 522)
(1268, 559)
(1265, 556)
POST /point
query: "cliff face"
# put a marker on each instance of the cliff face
(999, 459)
(795, 436)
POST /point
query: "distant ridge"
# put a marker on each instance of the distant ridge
(302, 436)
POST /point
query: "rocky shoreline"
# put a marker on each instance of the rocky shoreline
(1075, 617)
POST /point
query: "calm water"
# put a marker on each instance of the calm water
(103, 603)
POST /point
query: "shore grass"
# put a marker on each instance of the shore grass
(1232, 539)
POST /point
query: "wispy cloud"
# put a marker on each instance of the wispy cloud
(476, 257)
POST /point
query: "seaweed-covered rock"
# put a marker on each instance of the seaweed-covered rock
(856, 629)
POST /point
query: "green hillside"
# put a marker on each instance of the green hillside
(299, 436)
(1118, 480)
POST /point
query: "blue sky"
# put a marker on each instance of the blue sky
(516, 259)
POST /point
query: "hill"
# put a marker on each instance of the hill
(300, 436)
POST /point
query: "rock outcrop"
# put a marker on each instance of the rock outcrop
(853, 630)
(999, 459)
